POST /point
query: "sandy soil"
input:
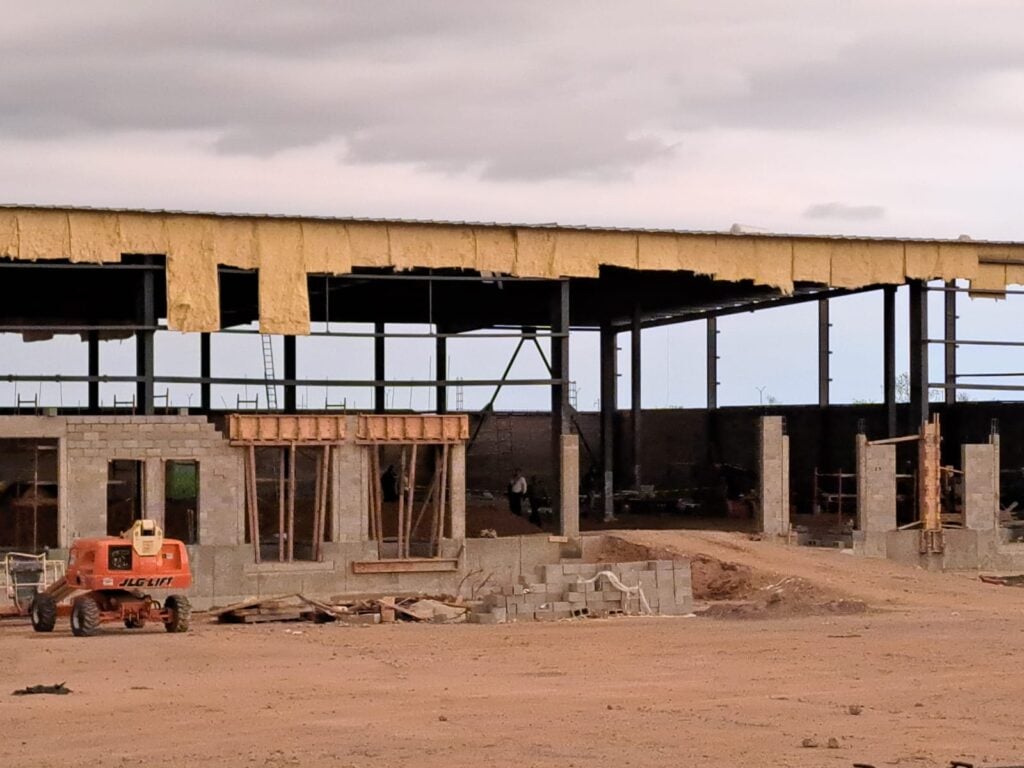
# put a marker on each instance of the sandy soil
(932, 662)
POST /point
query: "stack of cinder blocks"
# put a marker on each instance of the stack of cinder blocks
(568, 590)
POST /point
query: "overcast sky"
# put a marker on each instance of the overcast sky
(863, 118)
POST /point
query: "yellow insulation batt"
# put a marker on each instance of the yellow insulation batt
(286, 250)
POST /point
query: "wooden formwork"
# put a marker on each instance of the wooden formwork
(412, 428)
(273, 429)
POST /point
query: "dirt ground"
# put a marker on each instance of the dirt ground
(926, 672)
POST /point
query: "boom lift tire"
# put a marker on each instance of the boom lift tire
(85, 616)
(43, 613)
(179, 611)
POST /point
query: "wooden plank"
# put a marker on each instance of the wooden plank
(251, 603)
(371, 494)
(254, 515)
(378, 501)
(443, 500)
(401, 504)
(426, 501)
(412, 500)
(291, 504)
(406, 565)
(280, 508)
(325, 495)
(316, 508)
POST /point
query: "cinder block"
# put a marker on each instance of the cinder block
(482, 618)
(576, 597)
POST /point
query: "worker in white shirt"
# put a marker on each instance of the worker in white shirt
(516, 492)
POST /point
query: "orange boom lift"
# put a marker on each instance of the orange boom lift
(107, 576)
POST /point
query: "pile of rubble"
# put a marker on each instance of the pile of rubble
(575, 590)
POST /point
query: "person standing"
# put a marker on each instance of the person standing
(516, 492)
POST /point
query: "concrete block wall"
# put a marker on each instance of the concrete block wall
(773, 480)
(568, 590)
(980, 464)
(91, 442)
(876, 497)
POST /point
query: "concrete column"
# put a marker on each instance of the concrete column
(876, 496)
(457, 490)
(569, 510)
(153, 492)
(981, 486)
(773, 483)
(349, 493)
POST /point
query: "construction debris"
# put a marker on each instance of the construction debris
(574, 590)
(384, 610)
(1004, 581)
(58, 689)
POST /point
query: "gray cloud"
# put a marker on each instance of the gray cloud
(524, 91)
(844, 212)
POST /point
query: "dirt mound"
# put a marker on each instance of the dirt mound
(737, 590)
(792, 596)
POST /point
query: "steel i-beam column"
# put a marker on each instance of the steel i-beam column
(204, 371)
(560, 415)
(950, 336)
(379, 405)
(824, 354)
(712, 366)
(889, 356)
(636, 401)
(918, 354)
(144, 344)
(290, 373)
(441, 373)
(93, 342)
(609, 378)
